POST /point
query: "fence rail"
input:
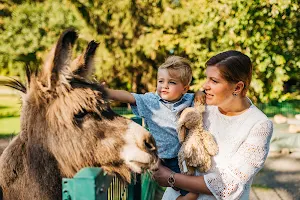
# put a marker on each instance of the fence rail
(287, 108)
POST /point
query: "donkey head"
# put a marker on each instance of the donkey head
(67, 114)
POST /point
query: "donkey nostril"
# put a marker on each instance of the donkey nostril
(149, 146)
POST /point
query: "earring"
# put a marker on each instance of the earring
(234, 94)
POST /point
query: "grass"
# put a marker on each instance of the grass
(9, 115)
(129, 115)
(9, 126)
(9, 106)
(260, 186)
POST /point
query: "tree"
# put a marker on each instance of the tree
(136, 36)
(28, 30)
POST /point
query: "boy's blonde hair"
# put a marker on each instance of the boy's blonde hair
(180, 64)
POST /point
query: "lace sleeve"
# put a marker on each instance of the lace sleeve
(230, 180)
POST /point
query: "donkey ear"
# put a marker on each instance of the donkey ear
(83, 65)
(59, 58)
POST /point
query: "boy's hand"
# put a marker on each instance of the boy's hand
(188, 196)
(200, 97)
(105, 86)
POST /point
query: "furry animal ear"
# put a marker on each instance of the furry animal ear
(181, 129)
(188, 119)
(58, 60)
(83, 65)
(200, 98)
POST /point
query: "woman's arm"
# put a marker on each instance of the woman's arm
(194, 184)
(189, 196)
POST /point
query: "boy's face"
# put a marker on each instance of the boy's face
(169, 85)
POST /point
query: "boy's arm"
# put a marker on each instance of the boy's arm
(188, 196)
(120, 95)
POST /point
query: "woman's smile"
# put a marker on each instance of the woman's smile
(209, 95)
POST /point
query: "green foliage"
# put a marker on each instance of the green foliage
(273, 41)
(137, 36)
(140, 34)
(10, 107)
(29, 29)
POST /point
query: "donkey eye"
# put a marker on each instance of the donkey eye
(79, 116)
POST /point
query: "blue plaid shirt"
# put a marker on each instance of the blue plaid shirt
(161, 118)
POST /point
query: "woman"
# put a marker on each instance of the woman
(240, 129)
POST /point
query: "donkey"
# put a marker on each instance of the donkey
(67, 124)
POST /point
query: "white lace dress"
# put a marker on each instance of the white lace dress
(243, 142)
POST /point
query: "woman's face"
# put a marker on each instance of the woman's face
(218, 90)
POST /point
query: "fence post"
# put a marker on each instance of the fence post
(89, 183)
(137, 120)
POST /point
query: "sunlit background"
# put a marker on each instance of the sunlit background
(137, 35)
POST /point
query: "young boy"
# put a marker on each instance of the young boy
(162, 109)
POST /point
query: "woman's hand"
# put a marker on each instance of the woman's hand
(161, 175)
(188, 196)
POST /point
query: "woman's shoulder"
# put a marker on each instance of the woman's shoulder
(262, 124)
(252, 115)
(257, 113)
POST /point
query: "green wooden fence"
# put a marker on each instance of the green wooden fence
(87, 184)
(287, 108)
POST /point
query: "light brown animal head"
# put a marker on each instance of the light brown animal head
(189, 118)
(67, 115)
(199, 145)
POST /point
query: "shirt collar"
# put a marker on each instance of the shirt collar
(183, 98)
